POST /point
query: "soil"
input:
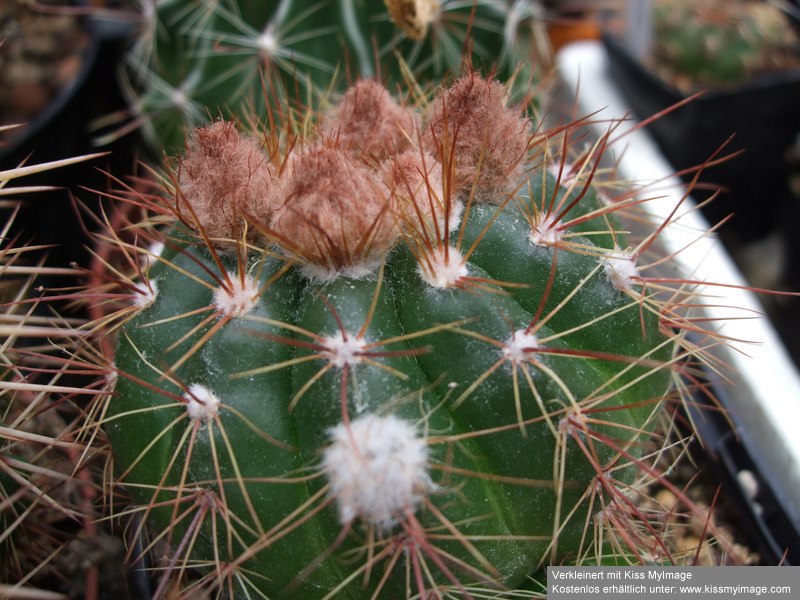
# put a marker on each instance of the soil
(705, 528)
(40, 55)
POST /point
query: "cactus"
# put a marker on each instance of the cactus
(191, 63)
(721, 43)
(45, 489)
(389, 350)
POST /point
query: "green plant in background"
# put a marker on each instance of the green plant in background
(395, 349)
(192, 62)
(721, 43)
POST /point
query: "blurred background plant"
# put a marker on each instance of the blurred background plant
(190, 62)
(58, 63)
(743, 56)
(721, 43)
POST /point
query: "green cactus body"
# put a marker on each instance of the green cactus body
(193, 63)
(456, 416)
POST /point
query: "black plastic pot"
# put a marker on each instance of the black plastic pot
(749, 490)
(63, 130)
(763, 115)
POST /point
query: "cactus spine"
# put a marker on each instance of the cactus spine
(43, 499)
(405, 351)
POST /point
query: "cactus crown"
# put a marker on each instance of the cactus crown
(340, 202)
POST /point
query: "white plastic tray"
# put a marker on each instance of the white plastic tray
(764, 399)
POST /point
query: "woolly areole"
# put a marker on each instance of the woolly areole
(378, 468)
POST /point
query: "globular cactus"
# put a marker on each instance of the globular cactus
(190, 63)
(721, 43)
(406, 350)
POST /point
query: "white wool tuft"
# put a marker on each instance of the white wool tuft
(620, 268)
(322, 274)
(147, 293)
(179, 98)
(518, 347)
(377, 468)
(201, 403)
(240, 299)
(454, 218)
(341, 351)
(268, 44)
(545, 231)
(443, 271)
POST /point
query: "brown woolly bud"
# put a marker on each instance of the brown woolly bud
(370, 121)
(224, 176)
(419, 195)
(336, 216)
(476, 135)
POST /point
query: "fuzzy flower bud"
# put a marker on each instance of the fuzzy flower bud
(478, 136)
(224, 175)
(336, 216)
(369, 120)
(415, 180)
